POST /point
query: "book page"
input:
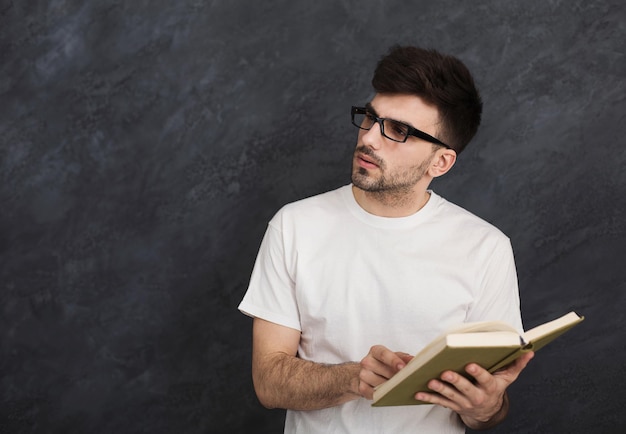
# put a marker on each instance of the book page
(551, 326)
(481, 326)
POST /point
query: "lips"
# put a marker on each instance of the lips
(366, 161)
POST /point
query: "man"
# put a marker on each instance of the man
(374, 270)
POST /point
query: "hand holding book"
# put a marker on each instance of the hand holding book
(481, 402)
(492, 345)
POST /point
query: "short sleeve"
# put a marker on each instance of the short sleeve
(271, 292)
(498, 293)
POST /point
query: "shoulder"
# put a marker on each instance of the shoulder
(316, 208)
(464, 223)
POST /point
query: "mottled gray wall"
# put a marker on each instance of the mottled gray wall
(144, 146)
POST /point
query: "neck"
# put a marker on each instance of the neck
(386, 204)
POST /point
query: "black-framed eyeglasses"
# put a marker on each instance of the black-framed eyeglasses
(392, 129)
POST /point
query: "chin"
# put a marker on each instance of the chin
(365, 183)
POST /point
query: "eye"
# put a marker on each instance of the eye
(399, 130)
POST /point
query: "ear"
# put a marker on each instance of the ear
(442, 162)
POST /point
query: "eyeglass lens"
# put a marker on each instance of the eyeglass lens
(391, 129)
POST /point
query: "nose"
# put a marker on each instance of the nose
(373, 137)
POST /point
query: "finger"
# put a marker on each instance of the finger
(371, 378)
(440, 395)
(387, 357)
(523, 361)
(371, 364)
(366, 391)
(406, 358)
(509, 374)
(482, 376)
(433, 398)
(512, 371)
(367, 381)
(464, 387)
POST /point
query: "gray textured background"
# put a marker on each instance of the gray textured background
(144, 146)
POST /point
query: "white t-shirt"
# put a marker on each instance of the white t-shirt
(348, 280)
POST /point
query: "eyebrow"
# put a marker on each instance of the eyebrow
(371, 109)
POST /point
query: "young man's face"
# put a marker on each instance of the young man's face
(384, 166)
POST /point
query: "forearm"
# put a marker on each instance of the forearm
(494, 420)
(285, 381)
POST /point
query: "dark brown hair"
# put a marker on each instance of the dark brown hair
(439, 79)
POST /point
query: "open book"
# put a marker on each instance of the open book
(490, 344)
